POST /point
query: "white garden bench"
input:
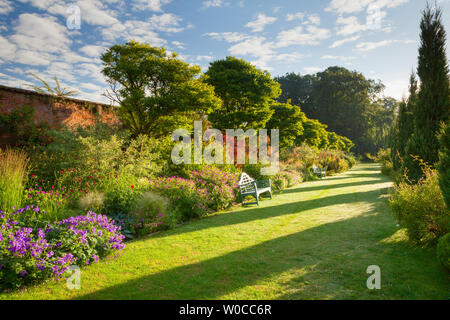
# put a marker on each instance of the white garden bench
(320, 172)
(251, 187)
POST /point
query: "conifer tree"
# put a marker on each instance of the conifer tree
(432, 105)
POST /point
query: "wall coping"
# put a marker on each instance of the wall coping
(31, 92)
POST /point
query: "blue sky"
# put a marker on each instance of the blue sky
(376, 37)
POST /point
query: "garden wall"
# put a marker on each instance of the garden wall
(52, 111)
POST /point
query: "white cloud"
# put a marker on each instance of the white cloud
(312, 70)
(314, 19)
(343, 58)
(349, 26)
(298, 36)
(213, 4)
(40, 34)
(261, 21)
(229, 37)
(354, 6)
(253, 46)
(152, 5)
(179, 45)
(7, 49)
(5, 7)
(295, 16)
(339, 43)
(206, 58)
(368, 46)
(92, 51)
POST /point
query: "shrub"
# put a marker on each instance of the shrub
(292, 178)
(222, 186)
(421, 209)
(152, 214)
(13, 174)
(185, 199)
(32, 250)
(93, 201)
(279, 182)
(443, 251)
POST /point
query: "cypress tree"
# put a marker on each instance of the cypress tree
(444, 165)
(432, 105)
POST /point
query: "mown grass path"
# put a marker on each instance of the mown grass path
(314, 241)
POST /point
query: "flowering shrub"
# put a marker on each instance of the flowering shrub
(29, 254)
(185, 198)
(152, 214)
(222, 186)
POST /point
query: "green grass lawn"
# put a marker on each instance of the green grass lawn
(314, 241)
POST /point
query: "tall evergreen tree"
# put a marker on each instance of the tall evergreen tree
(444, 165)
(404, 124)
(432, 105)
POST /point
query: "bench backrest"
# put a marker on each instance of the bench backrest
(317, 169)
(246, 183)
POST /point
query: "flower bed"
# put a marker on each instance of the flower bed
(29, 254)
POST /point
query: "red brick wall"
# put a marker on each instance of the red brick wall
(70, 112)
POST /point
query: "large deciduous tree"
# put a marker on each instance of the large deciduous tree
(156, 91)
(433, 101)
(344, 100)
(247, 94)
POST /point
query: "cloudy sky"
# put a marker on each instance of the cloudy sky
(376, 37)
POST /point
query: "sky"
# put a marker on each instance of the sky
(378, 38)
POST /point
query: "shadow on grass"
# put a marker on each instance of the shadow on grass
(331, 260)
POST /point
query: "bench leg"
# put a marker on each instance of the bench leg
(257, 199)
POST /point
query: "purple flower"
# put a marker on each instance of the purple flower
(23, 273)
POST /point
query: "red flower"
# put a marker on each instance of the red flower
(132, 187)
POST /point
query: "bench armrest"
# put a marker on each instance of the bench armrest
(264, 183)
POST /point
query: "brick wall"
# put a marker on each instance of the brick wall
(47, 109)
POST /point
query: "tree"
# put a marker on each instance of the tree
(298, 89)
(347, 102)
(246, 92)
(433, 101)
(444, 164)
(157, 92)
(314, 134)
(289, 120)
(404, 124)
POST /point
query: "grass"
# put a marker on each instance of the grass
(314, 241)
(13, 169)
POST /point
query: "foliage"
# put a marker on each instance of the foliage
(152, 214)
(443, 251)
(20, 124)
(421, 209)
(221, 186)
(246, 93)
(433, 101)
(289, 120)
(57, 91)
(346, 102)
(444, 164)
(186, 201)
(13, 175)
(157, 92)
(32, 250)
(98, 148)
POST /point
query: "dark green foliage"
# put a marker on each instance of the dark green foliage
(20, 124)
(443, 251)
(289, 120)
(346, 102)
(157, 92)
(433, 101)
(247, 94)
(444, 164)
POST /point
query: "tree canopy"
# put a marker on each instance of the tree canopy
(157, 92)
(246, 93)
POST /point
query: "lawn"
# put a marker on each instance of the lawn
(314, 241)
